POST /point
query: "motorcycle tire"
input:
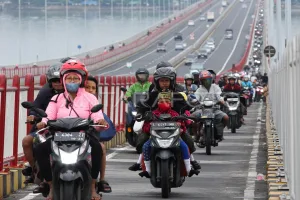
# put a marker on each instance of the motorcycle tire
(165, 179)
(208, 140)
(233, 124)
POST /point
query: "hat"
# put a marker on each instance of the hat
(165, 95)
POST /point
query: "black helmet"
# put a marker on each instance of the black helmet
(163, 64)
(142, 71)
(165, 72)
(63, 60)
(53, 72)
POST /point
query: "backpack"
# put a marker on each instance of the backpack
(108, 134)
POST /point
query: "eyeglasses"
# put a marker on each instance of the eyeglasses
(74, 79)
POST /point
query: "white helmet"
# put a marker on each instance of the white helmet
(188, 76)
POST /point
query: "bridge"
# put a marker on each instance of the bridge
(237, 168)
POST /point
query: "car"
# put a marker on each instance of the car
(241, 1)
(229, 34)
(178, 36)
(199, 66)
(211, 45)
(207, 48)
(191, 23)
(202, 53)
(190, 59)
(161, 47)
(211, 40)
(179, 46)
(244, 6)
(202, 18)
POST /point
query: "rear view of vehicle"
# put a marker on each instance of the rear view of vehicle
(210, 16)
(190, 59)
(229, 34)
(178, 37)
(161, 47)
(179, 47)
(202, 53)
(191, 23)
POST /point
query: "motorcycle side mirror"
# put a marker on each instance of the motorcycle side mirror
(96, 108)
(123, 89)
(27, 105)
(40, 112)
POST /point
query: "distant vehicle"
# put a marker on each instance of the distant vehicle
(202, 53)
(244, 6)
(208, 49)
(202, 18)
(178, 36)
(210, 16)
(191, 23)
(199, 66)
(229, 34)
(224, 3)
(161, 47)
(211, 40)
(211, 45)
(190, 59)
(179, 46)
(241, 1)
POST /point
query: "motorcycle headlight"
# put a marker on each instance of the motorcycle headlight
(69, 157)
(155, 134)
(134, 113)
(208, 103)
(164, 143)
(177, 132)
(262, 90)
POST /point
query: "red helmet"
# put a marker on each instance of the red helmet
(204, 75)
(77, 66)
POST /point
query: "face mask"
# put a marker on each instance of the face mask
(163, 106)
(207, 83)
(72, 87)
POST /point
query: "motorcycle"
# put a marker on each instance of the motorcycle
(167, 166)
(258, 93)
(133, 128)
(246, 96)
(70, 158)
(207, 109)
(232, 101)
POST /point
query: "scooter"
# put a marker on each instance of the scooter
(258, 93)
(71, 164)
(232, 101)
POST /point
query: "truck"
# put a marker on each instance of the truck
(210, 16)
(224, 3)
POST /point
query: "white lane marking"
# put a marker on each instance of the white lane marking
(172, 38)
(116, 152)
(238, 38)
(249, 192)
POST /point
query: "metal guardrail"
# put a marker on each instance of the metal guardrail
(284, 99)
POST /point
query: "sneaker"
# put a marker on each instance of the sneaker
(144, 174)
(193, 172)
(195, 165)
(135, 167)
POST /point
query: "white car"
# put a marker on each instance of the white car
(191, 23)
(241, 1)
(244, 6)
(208, 49)
(202, 18)
(179, 46)
(211, 45)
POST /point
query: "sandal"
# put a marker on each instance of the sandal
(103, 186)
(98, 197)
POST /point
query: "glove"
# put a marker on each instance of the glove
(139, 117)
(148, 116)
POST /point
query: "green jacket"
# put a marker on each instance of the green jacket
(137, 87)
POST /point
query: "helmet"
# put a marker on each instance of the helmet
(204, 75)
(246, 78)
(163, 64)
(63, 60)
(212, 72)
(231, 76)
(165, 72)
(237, 75)
(142, 71)
(74, 66)
(188, 76)
(53, 72)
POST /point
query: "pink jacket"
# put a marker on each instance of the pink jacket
(82, 104)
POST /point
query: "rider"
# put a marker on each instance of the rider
(51, 88)
(142, 84)
(207, 88)
(232, 86)
(91, 86)
(165, 80)
(247, 83)
(189, 87)
(74, 102)
(164, 107)
(223, 81)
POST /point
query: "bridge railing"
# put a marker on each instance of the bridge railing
(284, 95)
(13, 115)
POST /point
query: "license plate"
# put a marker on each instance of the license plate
(232, 99)
(69, 136)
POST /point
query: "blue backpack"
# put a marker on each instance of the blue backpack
(108, 134)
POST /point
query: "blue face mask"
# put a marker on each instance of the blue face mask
(72, 87)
